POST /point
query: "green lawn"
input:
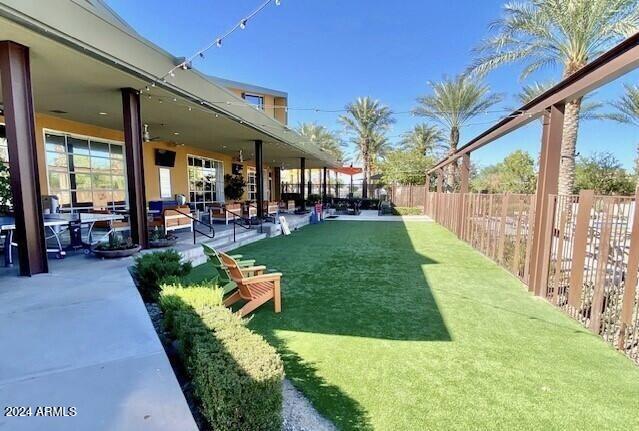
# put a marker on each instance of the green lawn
(394, 326)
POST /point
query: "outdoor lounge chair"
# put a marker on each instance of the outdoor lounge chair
(256, 290)
(223, 277)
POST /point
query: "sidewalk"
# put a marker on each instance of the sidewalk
(81, 337)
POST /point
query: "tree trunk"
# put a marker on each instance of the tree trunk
(569, 147)
(451, 170)
(367, 167)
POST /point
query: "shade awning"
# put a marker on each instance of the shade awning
(348, 170)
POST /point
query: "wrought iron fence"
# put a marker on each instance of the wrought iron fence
(340, 190)
(590, 258)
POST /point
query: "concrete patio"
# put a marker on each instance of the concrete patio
(81, 337)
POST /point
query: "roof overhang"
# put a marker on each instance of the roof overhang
(80, 61)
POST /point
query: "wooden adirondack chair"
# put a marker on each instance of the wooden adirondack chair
(224, 279)
(256, 290)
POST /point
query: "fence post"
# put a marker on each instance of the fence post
(586, 198)
(547, 185)
(502, 227)
(602, 265)
(463, 190)
(630, 286)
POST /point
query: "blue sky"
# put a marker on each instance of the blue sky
(325, 53)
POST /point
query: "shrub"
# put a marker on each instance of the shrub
(406, 211)
(151, 268)
(235, 374)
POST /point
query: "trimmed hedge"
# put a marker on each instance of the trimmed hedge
(150, 269)
(236, 374)
(406, 211)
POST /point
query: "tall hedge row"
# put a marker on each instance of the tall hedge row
(236, 374)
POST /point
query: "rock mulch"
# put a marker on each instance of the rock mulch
(298, 413)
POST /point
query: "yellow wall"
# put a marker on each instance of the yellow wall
(270, 102)
(179, 180)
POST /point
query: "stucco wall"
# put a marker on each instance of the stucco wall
(179, 179)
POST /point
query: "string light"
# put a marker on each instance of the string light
(241, 25)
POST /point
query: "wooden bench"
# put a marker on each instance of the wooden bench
(174, 219)
(223, 212)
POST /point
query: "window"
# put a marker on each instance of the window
(4, 150)
(206, 181)
(255, 100)
(85, 173)
(165, 183)
(251, 186)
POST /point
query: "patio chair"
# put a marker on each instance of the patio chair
(218, 213)
(270, 209)
(223, 277)
(287, 206)
(255, 290)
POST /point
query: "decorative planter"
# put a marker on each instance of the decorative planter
(162, 243)
(113, 254)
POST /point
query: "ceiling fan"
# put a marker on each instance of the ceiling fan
(147, 135)
(239, 158)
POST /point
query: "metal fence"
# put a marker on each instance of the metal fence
(593, 265)
(590, 260)
(340, 190)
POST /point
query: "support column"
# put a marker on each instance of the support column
(463, 189)
(135, 165)
(325, 180)
(302, 182)
(277, 183)
(15, 73)
(440, 190)
(465, 173)
(259, 179)
(547, 184)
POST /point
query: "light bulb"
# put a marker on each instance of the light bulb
(278, 2)
(243, 23)
(218, 42)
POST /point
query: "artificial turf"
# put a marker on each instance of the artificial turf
(395, 326)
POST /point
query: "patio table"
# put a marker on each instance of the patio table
(56, 224)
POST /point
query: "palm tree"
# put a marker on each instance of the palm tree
(452, 104)
(589, 108)
(323, 138)
(423, 138)
(564, 33)
(367, 120)
(627, 111)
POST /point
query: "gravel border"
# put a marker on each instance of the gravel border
(298, 414)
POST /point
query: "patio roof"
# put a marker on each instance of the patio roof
(82, 54)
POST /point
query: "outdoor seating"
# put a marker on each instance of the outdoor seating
(223, 277)
(287, 206)
(255, 290)
(177, 219)
(225, 212)
(270, 209)
(250, 210)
